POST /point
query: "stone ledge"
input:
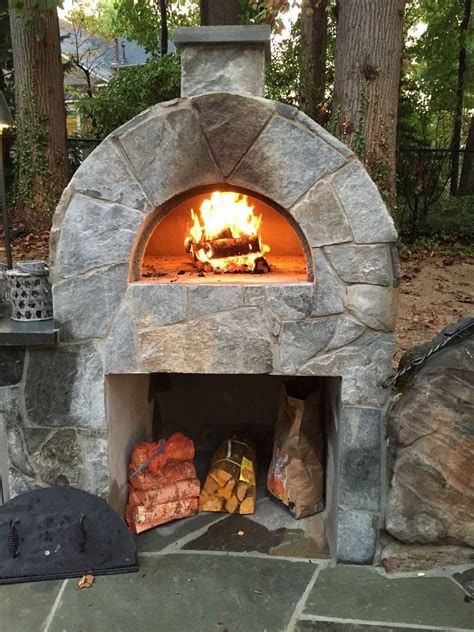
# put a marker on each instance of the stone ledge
(228, 34)
(41, 333)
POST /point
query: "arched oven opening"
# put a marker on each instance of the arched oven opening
(221, 234)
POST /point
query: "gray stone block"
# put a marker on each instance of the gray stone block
(347, 330)
(65, 387)
(325, 135)
(181, 141)
(254, 295)
(59, 461)
(367, 213)
(84, 306)
(223, 34)
(222, 68)
(227, 342)
(357, 533)
(361, 264)
(328, 292)
(363, 365)
(374, 305)
(231, 122)
(95, 476)
(321, 217)
(284, 162)
(120, 354)
(206, 299)
(104, 174)
(17, 454)
(301, 340)
(94, 234)
(360, 458)
(11, 366)
(156, 304)
(290, 302)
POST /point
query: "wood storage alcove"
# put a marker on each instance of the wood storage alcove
(221, 234)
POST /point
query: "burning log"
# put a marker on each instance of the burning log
(225, 247)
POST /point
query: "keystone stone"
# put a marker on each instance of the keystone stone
(284, 162)
(206, 299)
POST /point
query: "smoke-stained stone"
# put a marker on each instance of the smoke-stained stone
(374, 305)
(104, 174)
(94, 234)
(11, 365)
(290, 302)
(34, 437)
(231, 122)
(17, 453)
(321, 217)
(301, 340)
(120, 352)
(186, 161)
(59, 461)
(368, 215)
(228, 342)
(222, 68)
(85, 306)
(356, 536)
(363, 366)
(360, 458)
(19, 483)
(254, 295)
(65, 387)
(94, 451)
(347, 330)
(206, 299)
(284, 162)
(361, 264)
(328, 293)
(156, 304)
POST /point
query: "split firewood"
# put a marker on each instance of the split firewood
(247, 506)
(232, 504)
(231, 479)
(177, 491)
(225, 247)
(143, 518)
(241, 490)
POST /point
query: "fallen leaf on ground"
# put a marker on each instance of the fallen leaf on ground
(241, 533)
(86, 581)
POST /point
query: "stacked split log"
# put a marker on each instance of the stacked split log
(162, 483)
(230, 484)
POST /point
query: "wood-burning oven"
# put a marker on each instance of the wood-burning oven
(330, 317)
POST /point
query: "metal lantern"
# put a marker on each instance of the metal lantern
(30, 291)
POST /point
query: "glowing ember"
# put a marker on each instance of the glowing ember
(224, 235)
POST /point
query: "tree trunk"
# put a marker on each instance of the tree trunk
(164, 28)
(314, 39)
(41, 155)
(215, 12)
(466, 183)
(457, 128)
(369, 43)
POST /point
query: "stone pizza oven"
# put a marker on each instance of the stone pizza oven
(136, 319)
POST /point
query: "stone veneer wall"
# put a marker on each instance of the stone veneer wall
(340, 325)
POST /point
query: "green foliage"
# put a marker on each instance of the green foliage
(140, 20)
(129, 92)
(6, 56)
(283, 74)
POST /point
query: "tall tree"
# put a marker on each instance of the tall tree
(466, 182)
(314, 42)
(369, 41)
(461, 82)
(41, 156)
(215, 12)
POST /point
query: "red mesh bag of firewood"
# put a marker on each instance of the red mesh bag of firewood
(162, 483)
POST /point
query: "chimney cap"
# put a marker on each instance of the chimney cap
(229, 34)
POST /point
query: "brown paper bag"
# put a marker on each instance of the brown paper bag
(296, 473)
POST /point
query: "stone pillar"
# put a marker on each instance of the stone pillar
(223, 58)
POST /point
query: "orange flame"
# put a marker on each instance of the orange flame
(224, 215)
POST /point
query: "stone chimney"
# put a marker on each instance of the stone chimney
(223, 58)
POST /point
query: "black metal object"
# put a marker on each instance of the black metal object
(62, 532)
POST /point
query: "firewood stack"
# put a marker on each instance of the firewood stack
(230, 484)
(163, 483)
